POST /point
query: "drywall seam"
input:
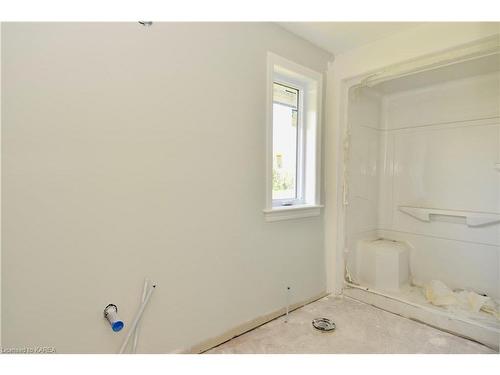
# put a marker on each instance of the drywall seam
(329, 182)
(245, 327)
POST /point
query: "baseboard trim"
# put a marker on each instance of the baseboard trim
(245, 327)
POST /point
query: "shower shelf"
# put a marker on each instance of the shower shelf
(472, 218)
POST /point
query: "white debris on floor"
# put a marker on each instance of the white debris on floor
(360, 328)
(439, 294)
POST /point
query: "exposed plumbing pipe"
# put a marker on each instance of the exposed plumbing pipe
(137, 318)
(136, 331)
(287, 311)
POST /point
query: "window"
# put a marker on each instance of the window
(294, 107)
(287, 156)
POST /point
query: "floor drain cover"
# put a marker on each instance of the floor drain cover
(323, 324)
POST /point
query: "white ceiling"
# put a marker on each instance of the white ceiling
(338, 37)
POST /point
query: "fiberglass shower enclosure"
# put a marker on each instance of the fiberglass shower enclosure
(422, 190)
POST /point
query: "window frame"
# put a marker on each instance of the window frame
(300, 169)
(309, 84)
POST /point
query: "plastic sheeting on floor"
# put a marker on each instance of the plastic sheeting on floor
(439, 294)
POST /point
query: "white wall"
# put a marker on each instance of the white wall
(422, 40)
(132, 152)
(0, 186)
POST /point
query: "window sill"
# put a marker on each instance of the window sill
(292, 212)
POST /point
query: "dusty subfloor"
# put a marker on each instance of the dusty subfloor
(361, 328)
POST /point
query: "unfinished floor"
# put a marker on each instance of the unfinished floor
(361, 328)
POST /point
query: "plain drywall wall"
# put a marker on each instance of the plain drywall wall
(132, 152)
(0, 186)
(412, 43)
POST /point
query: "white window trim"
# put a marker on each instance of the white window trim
(284, 71)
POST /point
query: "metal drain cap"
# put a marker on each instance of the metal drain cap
(323, 324)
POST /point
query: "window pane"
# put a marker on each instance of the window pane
(285, 106)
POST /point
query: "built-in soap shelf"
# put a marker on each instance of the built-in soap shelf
(472, 218)
(497, 166)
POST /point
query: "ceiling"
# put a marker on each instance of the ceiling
(338, 37)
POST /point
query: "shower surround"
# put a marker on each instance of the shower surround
(422, 194)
